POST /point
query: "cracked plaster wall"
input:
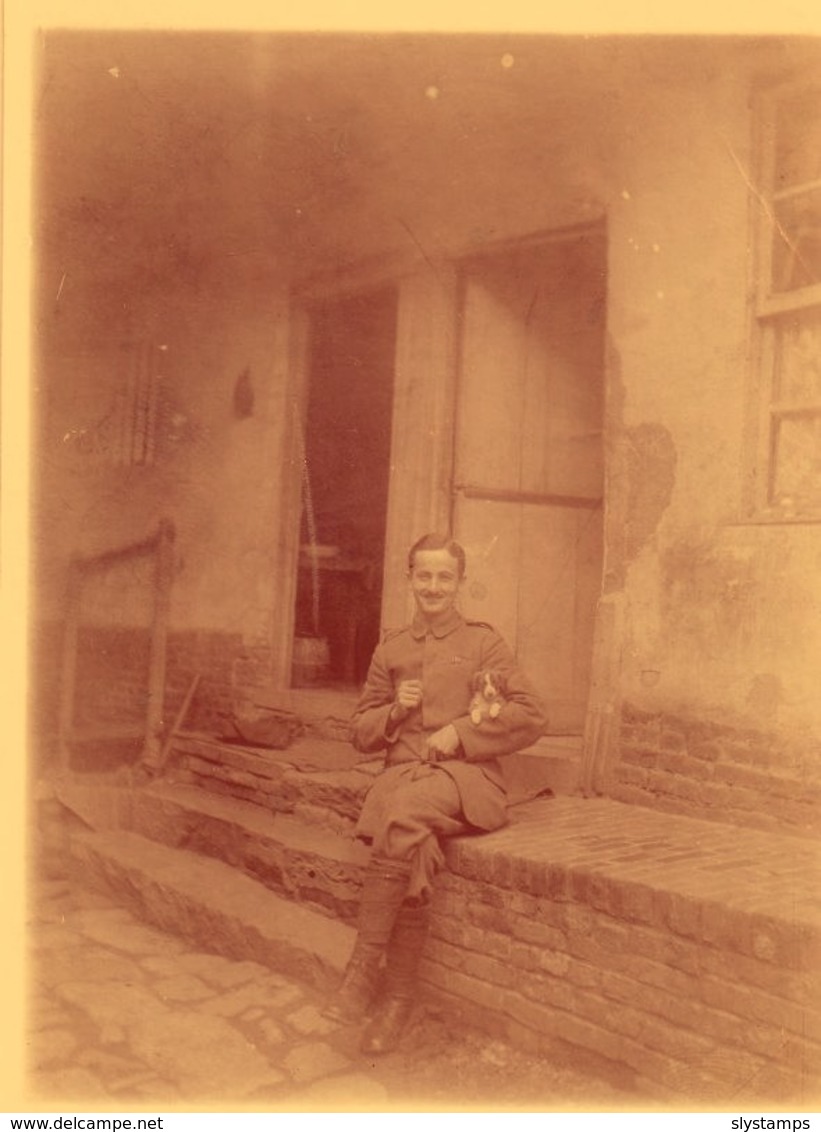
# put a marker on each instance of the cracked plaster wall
(214, 471)
(715, 617)
(720, 617)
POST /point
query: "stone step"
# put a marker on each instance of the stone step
(303, 861)
(325, 781)
(285, 818)
(212, 905)
(685, 952)
(552, 766)
(320, 781)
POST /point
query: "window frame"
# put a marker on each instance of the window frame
(770, 305)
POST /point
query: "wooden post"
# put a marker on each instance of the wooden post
(68, 675)
(163, 575)
(600, 747)
(423, 422)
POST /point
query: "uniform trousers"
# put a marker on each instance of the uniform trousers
(408, 808)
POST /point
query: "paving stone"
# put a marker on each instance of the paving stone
(42, 1006)
(141, 1084)
(112, 1004)
(182, 988)
(86, 919)
(308, 1020)
(78, 964)
(91, 898)
(272, 1033)
(40, 1000)
(275, 980)
(44, 889)
(69, 1083)
(56, 937)
(272, 1090)
(125, 933)
(48, 1019)
(154, 1089)
(166, 966)
(53, 1045)
(305, 1063)
(223, 972)
(349, 1091)
(204, 1056)
(116, 1071)
(274, 1080)
(54, 910)
(233, 1003)
(100, 1059)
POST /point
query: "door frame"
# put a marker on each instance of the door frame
(422, 492)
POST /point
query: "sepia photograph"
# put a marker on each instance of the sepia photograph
(419, 414)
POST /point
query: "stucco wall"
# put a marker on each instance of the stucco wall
(720, 615)
(215, 474)
(718, 618)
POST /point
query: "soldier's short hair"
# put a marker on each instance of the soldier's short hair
(439, 542)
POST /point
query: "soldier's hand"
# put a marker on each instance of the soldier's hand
(408, 697)
(443, 744)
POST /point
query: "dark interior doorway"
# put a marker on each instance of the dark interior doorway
(345, 487)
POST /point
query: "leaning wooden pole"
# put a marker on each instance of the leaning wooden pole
(179, 719)
(68, 673)
(163, 575)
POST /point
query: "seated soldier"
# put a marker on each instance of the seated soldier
(441, 777)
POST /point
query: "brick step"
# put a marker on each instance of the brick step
(208, 903)
(316, 865)
(689, 951)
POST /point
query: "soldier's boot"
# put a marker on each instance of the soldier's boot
(383, 890)
(385, 1029)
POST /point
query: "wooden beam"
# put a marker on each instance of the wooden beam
(107, 558)
(541, 499)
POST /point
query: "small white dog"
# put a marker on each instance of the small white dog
(488, 696)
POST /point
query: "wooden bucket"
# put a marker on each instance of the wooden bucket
(310, 661)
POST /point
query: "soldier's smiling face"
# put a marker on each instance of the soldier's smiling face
(435, 580)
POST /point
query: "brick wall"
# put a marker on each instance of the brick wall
(223, 662)
(718, 772)
(670, 996)
(112, 677)
(46, 650)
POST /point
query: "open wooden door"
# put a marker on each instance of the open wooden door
(528, 463)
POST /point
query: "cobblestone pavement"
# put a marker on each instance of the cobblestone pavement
(122, 1015)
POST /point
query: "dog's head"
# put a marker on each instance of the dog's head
(489, 684)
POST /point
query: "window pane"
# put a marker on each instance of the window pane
(797, 242)
(798, 358)
(798, 140)
(797, 471)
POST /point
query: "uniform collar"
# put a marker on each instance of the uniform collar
(419, 627)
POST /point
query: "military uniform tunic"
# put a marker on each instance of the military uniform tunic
(413, 800)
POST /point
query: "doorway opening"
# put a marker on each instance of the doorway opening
(346, 471)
